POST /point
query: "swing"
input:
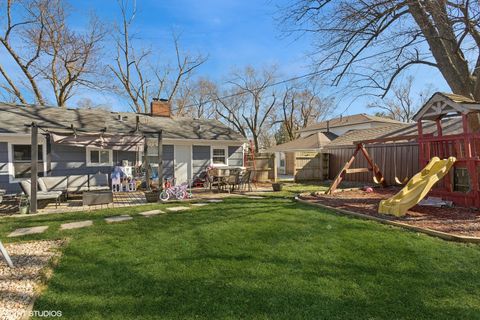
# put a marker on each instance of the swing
(397, 179)
(375, 179)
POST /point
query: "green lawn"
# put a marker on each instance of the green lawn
(255, 259)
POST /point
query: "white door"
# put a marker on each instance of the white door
(182, 161)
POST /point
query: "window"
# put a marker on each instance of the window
(461, 180)
(99, 157)
(219, 156)
(21, 160)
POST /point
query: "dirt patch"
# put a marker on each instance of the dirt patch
(458, 221)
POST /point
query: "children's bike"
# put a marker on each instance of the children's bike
(176, 192)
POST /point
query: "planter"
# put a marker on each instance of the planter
(24, 209)
(152, 196)
(277, 186)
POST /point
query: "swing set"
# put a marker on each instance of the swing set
(378, 172)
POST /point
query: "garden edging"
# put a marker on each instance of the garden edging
(431, 232)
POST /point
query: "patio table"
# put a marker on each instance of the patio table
(91, 198)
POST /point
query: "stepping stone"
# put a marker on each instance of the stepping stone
(175, 209)
(151, 213)
(124, 217)
(215, 200)
(27, 231)
(199, 204)
(76, 225)
(255, 197)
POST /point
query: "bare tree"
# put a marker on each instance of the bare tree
(197, 99)
(44, 47)
(70, 59)
(371, 42)
(139, 78)
(32, 17)
(300, 106)
(403, 104)
(251, 102)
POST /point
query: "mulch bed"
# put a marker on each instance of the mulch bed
(457, 221)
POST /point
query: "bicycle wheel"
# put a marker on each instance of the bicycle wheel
(164, 196)
(180, 195)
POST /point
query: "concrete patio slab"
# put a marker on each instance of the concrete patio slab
(124, 217)
(175, 209)
(199, 204)
(76, 225)
(151, 213)
(27, 231)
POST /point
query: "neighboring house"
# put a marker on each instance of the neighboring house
(341, 125)
(189, 145)
(317, 136)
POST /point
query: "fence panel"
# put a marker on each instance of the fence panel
(399, 160)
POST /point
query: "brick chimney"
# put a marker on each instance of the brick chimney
(160, 108)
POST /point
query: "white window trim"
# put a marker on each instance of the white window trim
(25, 141)
(226, 156)
(90, 164)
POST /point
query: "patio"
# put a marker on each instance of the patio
(120, 199)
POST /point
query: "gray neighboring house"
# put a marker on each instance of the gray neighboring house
(189, 145)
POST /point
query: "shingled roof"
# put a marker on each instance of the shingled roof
(13, 119)
(348, 121)
(450, 126)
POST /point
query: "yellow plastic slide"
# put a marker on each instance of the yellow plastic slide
(417, 188)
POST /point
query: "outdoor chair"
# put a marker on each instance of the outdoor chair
(25, 185)
(233, 179)
(245, 181)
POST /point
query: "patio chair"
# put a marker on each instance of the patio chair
(25, 185)
(233, 179)
(245, 181)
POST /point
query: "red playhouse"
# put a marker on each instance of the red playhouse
(459, 116)
(448, 126)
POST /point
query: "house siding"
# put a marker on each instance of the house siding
(235, 156)
(200, 159)
(168, 156)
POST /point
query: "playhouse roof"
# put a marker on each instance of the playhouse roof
(441, 104)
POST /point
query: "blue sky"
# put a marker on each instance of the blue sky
(233, 33)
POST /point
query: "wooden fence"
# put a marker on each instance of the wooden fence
(264, 166)
(311, 166)
(399, 159)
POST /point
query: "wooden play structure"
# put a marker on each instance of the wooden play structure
(457, 135)
(447, 127)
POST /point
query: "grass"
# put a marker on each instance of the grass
(255, 259)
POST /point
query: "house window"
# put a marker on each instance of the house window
(219, 156)
(99, 157)
(21, 160)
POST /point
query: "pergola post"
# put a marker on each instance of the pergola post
(160, 159)
(147, 165)
(34, 168)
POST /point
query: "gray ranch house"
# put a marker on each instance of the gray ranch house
(189, 145)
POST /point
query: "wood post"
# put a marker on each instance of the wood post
(48, 143)
(274, 167)
(34, 168)
(160, 159)
(147, 165)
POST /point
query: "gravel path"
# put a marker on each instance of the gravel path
(18, 285)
